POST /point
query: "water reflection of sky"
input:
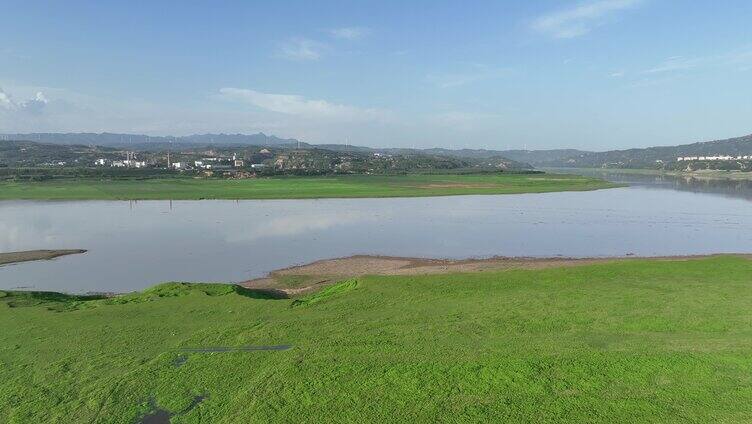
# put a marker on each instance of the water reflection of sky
(136, 244)
(725, 187)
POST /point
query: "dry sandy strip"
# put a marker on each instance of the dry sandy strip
(35, 255)
(305, 278)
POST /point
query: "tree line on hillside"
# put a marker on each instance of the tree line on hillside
(28, 160)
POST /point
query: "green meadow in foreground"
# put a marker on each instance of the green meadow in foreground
(298, 187)
(628, 341)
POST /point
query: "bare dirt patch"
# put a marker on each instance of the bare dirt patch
(313, 276)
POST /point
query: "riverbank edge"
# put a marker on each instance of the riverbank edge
(306, 278)
(702, 174)
(303, 279)
(9, 258)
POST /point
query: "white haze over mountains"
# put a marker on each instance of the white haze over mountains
(315, 120)
(247, 111)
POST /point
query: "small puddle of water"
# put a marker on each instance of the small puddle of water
(163, 416)
(160, 416)
(179, 361)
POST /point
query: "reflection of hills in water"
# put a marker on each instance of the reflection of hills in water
(740, 189)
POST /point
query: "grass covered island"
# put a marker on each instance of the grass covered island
(352, 186)
(638, 341)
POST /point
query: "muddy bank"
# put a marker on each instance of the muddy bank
(36, 255)
(303, 279)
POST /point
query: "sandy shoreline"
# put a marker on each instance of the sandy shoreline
(302, 279)
(36, 255)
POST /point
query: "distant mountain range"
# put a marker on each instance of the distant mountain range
(126, 140)
(519, 156)
(526, 156)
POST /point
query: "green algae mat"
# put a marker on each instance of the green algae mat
(640, 341)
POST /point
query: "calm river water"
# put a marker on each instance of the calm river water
(133, 245)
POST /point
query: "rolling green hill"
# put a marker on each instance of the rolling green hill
(655, 157)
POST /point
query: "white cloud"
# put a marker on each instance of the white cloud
(349, 33)
(5, 100)
(740, 59)
(50, 109)
(617, 74)
(39, 97)
(675, 63)
(302, 49)
(476, 73)
(34, 105)
(290, 104)
(580, 19)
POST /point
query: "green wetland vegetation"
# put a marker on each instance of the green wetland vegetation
(351, 186)
(639, 341)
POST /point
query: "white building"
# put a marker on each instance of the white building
(715, 157)
(100, 162)
(131, 163)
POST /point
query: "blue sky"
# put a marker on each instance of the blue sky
(597, 74)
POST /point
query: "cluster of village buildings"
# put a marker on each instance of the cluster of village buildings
(207, 163)
(690, 158)
(129, 162)
(213, 162)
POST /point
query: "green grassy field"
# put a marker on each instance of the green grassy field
(297, 187)
(639, 341)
